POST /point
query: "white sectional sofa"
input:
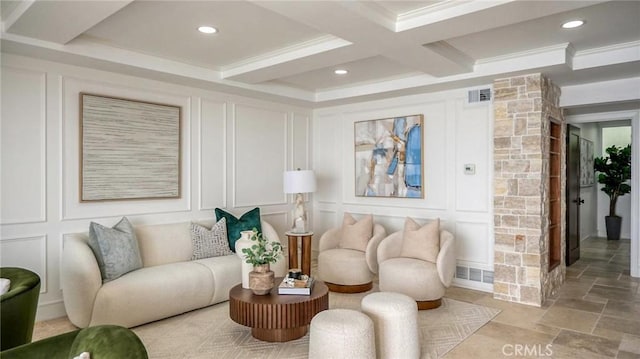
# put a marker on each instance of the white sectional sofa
(169, 283)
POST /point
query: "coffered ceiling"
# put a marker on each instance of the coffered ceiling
(289, 50)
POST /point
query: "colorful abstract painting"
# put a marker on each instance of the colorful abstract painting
(388, 157)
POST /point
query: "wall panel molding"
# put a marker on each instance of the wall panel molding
(16, 196)
(260, 172)
(27, 252)
(204, 162)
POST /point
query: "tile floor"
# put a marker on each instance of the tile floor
(596, 314)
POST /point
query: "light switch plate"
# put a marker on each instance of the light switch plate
(469, 169)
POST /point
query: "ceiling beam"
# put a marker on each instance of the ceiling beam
(59, 21)
(359, 29)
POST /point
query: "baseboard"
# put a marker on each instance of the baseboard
(470, 284)
(50, 310)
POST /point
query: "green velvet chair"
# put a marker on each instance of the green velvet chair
(18, 307)
(101, 342)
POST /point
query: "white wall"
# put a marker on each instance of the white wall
(234, 150)
(588, 210)
(454, 134)
(623, 207)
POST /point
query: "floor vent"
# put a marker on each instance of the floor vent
(474, 274)
(479, 95)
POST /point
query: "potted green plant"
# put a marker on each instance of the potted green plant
(261, 254)
(614, 172)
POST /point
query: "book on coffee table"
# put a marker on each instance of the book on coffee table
(296, 286)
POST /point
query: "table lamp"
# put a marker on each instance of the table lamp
(299, 182)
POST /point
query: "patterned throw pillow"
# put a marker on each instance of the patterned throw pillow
(246, 222)
(116, 249)
(209, 243)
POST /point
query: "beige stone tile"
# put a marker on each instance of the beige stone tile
(466, 295)
(514, 335)
(630, 344)
(586, 342)
(623, 309)
(619, 283)
(563, 352)
(612, 292)
(566, 318)
(624, 325)
(579, 304)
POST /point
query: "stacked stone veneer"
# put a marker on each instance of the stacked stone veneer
(523, 106)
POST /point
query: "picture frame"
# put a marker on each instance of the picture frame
(129, 149)
(587, 175)
(389, 157)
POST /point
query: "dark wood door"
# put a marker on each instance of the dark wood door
(573, 195)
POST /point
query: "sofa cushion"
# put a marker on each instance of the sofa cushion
(227, 272)
(421, 242)
(153, 293)
(356, 234)
(165, 243)
(210, 242)
(116, 249)
(246, 222)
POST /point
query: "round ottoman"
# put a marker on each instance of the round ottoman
(395, 318)
(341, 333)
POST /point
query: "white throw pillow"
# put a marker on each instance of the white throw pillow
(356, 234)
(421, 242)
(5, 284)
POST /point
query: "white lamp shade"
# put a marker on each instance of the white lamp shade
(300, 181)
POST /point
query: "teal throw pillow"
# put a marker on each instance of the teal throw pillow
(246, 222)
(116, 249)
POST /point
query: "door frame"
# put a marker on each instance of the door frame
(634, 116)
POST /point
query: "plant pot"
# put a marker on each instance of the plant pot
(613, 224)
(261, 279)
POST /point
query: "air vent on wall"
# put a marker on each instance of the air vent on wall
(479, 95)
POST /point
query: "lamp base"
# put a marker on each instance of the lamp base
(299, 226)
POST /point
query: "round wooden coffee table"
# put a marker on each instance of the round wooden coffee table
(274, 317)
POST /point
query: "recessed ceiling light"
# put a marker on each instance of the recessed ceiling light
(572, 24)
(341, 72)
(207, 30)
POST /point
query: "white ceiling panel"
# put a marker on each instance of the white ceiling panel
(169, 29)
(604, 23)
(287, 50)
(362, 71)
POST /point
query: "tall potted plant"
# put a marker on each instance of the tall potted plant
(261, 254)
(614, 172)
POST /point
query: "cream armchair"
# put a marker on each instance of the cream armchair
(422, 280)
(348, 270)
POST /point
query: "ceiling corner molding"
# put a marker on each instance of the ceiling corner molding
(442, 11)
(607, 55)
(282, 55)
(373, 12)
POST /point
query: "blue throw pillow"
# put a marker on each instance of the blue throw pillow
(246, 222)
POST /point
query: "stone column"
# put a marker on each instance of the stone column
(523, 106)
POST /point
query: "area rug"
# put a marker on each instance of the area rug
(210, 333)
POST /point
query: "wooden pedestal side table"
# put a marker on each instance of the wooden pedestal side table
(274, 317)
(306, 251)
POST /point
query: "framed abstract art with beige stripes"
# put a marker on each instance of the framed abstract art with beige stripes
(128, 149)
